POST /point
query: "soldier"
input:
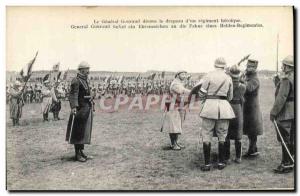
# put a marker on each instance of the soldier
(235, 129)
(16, 103)
(46, 97)
(56, 103)
(253, 124)
(283, 113)
(216, 111)
(80, 122)
(175, 115)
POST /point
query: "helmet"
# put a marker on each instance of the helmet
(17, 83)
(289, 61)
(83, 65)
(220, 62)
(179, 72)
(234, 71)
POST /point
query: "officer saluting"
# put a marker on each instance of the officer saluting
(283, 113)
(216, 112)
(80, 122)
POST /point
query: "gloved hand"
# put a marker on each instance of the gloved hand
(272, 117)
(74, 111)
(276, 79)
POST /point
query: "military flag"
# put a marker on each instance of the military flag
(26, 71)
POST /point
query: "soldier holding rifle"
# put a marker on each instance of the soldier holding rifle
(80, 122)
(282, 114)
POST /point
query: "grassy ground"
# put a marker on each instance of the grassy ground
(129, 153)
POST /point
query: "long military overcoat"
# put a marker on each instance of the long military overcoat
(79, 128)
(253, 123)
(16, 103)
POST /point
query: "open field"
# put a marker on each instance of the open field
(129, 153)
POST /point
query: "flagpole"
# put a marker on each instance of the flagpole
(277, 53)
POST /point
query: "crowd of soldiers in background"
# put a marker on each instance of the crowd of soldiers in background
(110, 85)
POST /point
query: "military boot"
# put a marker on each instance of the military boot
(45, 117)
(14, 122)
(178, 144)
(238, 151)
(286, 165)
(227, 150)
(174, 145)
(221, 163)
(206, 151)
(17, 121)
(78, 155)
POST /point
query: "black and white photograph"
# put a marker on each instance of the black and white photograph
(150, 98)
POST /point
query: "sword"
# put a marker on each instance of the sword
(277, 130)
(163, 121)
(73, 116)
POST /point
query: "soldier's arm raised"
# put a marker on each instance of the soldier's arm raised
(281, 97)
(73, 96)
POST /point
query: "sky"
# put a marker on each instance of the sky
(48, 30)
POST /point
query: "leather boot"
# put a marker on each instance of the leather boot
(176, 141)
(206, 152)
(174, 145)
(286, 165)
(78, 156)
(17, 121)
(221, 164)
(227, 150)
(45, 117)
(238, 151)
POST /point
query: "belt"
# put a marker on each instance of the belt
(216, 97)
(236, 102)
(290, 99)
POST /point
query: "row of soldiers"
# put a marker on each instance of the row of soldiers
(230, 108)
(50, 100)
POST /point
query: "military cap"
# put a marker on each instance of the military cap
(289, 61)
(220, 62)
(252, 63)
(83, 65)
(179, 72)
(234, 71)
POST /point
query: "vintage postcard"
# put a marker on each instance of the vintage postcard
(150, 98)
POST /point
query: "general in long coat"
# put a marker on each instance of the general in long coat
(80, 126)
(253, 123)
